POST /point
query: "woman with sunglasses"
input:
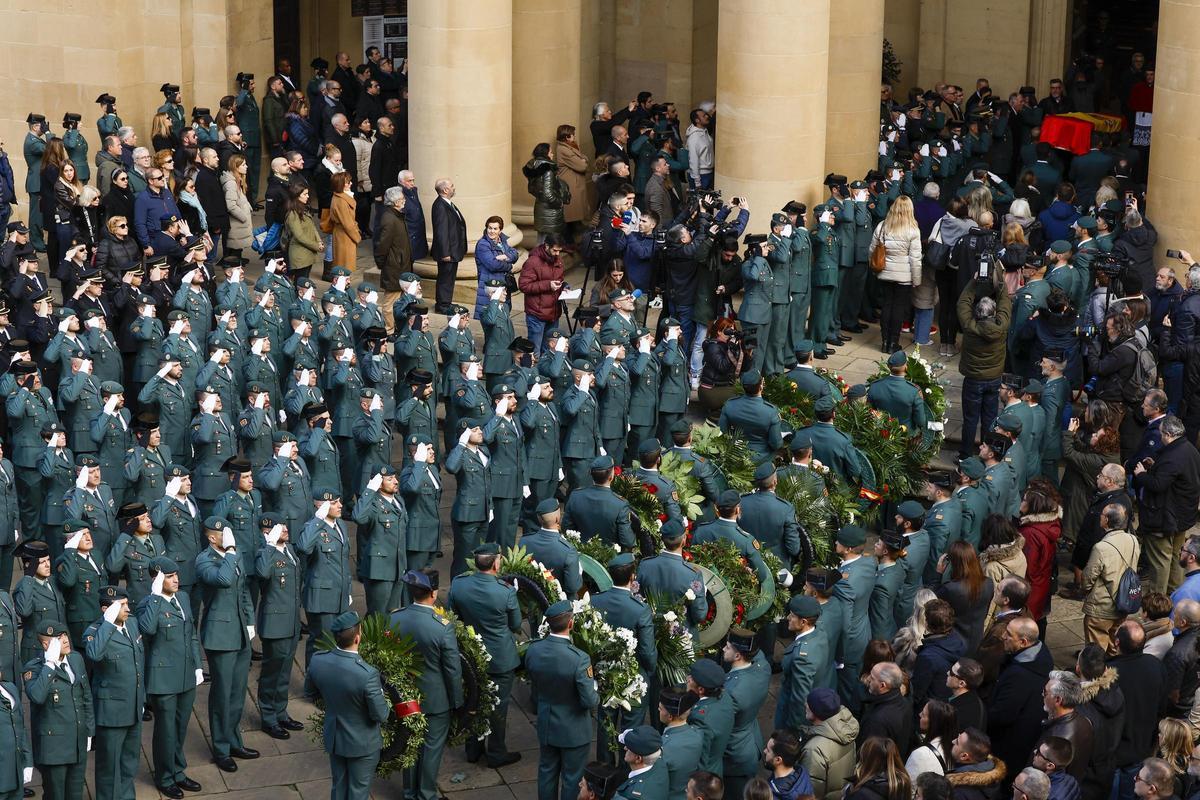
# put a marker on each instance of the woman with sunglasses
(116, 250)
(119, 200)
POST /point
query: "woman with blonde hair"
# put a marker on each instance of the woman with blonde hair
(900, 238)
(162, 135)
(343, 224)
(1014, 247)
(908, 640)
(117, 249)
(1176, 739)
(165, 160)
(233, 184)
(88, 218)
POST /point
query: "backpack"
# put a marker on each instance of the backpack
(266, 238)
(1145, 372)
(1128, 599)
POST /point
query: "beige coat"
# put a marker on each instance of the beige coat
(1001, 560)
(903, 264)
(345, 230)
(241, 227)
(573, 171)
(1105, 566)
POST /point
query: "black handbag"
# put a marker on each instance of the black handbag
(937, 255)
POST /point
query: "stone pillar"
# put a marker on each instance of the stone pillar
(1174, 170)
(852, 119)
(460, 106)
(1049, 35)
(772, 63)
(546, 38)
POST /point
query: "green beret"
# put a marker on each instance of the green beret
(602, 462)
(897, 359)
(764, 471)
(559, 608)
(911, 510)
(344, 621)
(804, 606)
(851, 536)
(1060, 246)
(621, 560)
(547, 506)
(972, 467)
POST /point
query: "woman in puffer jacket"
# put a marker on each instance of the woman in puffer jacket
(550, 194)
(900, 237)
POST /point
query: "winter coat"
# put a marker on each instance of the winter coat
(1170, 489)
(903, 262)
(490, 267)
(112, 255)
(1113, 369)
(1137, 245)
(362, 163)
(241, 227)
(936, 656)
(573, 171)
(1180, 667)
(990, 653)
(888, 715)
(118, 203)
(304, 241)
(1083, 464)
(1015, 709)
(700, 152)
(393, 254)
(984, 341)
(1001, 560)
(982, 781)
(1142, 679)
(1172, 348)
(1041, 532)
(1053, 330)
(926, 758)
(1076, 729)
(1111, 556)
(414, 215)
(874, 788)
(302, 137)
(969, 615)
(536, 274)
(829, 754)
(345, 230)
(550, 195)
(1105, 708)
(1057, 220)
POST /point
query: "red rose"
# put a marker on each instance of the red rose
(885, 433)
(662, 517)
(712, 612)
(651, 488)
(739, 612)
(616, 471)
(688, 540)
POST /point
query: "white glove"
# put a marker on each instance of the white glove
(227, 540)
(281, 415)
(491, 515)
(372, 298)
(585, 382)
(993, 177)
(89, 744)
(199, 676)
(151, 311)
(455, 320)
(942, 152)
(94, 322)
(228, 315)
(110, 405)
(177, 327)
(157, 586)
(163, 370)
(525, 491)
(249, 631)
(421, 454)
(883, 148)
(272, 265)
(561, 345)
(673, 332)
(349, 601)
(501, 407)
(643, 345)
(340, 283)
(309, 294)
(895, 174)
(376, 404)
(787, 230)
(323, 510)
(534, 392)
(860, 196)
(274, 535)
(346, 355)
(53, 652)
(924, 151)
(603, 452)
(112, 612)
(286, 449)
(63, 324)
(215, 358)
(27, 774)
(561, 474)
(256, 348)
(173, 486)
(337, 311)
(81, 480)
(262, 301)
(464, 437)
(261, 400)
(375, 482)
(73, 542)
(187, 277)
(784, 578)
(472, 372)
(208, 404)
(305, 376)
(236, 274)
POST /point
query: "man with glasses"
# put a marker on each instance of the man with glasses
(138, 171)
(1053, 756)
(1031, 785)
(233, 145)
(329, 103)
(1155, 780)
(151, 207)
(963, 679)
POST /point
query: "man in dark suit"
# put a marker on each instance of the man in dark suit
(449, 242)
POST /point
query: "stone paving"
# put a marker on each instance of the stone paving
(298, 768)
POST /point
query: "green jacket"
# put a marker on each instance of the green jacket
(172, 647)
(674, 389)
(497, 335)
(323, 465)
(667, 573)
(757, 286)
(654, 782)
(96, 508)
(180, 529)
(36, 601)
(598, 511)
(984, 340)
(118, 672)
(755, 420)
(714, 717)
(79, 580)
(61, 710)
(747, 688)
(381, 525)
(682, 749)
(228, 610)
(557, 555)
(889, 578)
(489, 605)
(780, 260)
(623, 609)
(327, 567)
(15, 755)
(289, 488)
(421, 487)
(473, 494)
(355, 706)
(10, 654)
(975, 507)
(772, 522)
(562, 676)
(828, 248)
(504, 442)
(899, 397)
(130, 558)
(612, 381)
(540, 426)
(441, 674)
(579, 415)
(278, 573)
(242, 511)
(803, 660)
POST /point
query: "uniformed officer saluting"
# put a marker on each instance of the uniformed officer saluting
(355, 710)
(60, 704)
(113, 645)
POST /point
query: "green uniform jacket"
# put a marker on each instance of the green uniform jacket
(381, 524)
(322, 460)
(223, 380)
(943, 523)
(757, 421)
(803, 662)
(844, 221)
(673, 377)
(180, 529)
(278, 572)
(976, 506)
(580, 417)
(10, 654)
(758, 285)
(97, 509)
(79, 581)
(112, 434)
(747, 688)
(895, 395)
(130, 559)
(654, 782)
(598, 511)
(441, 676)
(622, 326)
(27, 413)
(14, 741)
(1055, 397)
(327, 567)
(242, 511)
(489, 605)
(1000, 484)
(780, 259)
(833, 624)
(682, 749)
(714, 717)
(373, 443)
(172, 647)
(504, 442)
(613, 383)
(808, 381)
(497, 335)
(35, 601)
(913, 563)
(666, 491)
(227, 606)
(473, 497)
(255, 429)
(566, 691)
(623, 609)
(828, 249)
(61, 709)
(213, 442)
(772, 521)
(889, 578)
(557, 555)
(118, 672)
(79, 396)
(57, 468)
(667, 573)
(1029, 298)
(421, 487)
(174, 411)
(835, 450)
(541, 435)
(355, 707)
(286, 483)
(643, 392)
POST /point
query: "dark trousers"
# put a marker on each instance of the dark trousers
(981, 400)
(230, 670)
(171, 715)
(947, 284)
(63, 781)
(496, 745)
(30, 499)
(897, 302)
(273, 678)
(854, 282)
(559, 771)
(117, 753)
(506, 514)
(254, 172)
(447, 272)
(352, 776)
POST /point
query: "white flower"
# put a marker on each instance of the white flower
(574, 536)
(670, 616)
(689, 594)
(928, 390)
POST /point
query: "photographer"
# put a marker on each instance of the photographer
(541, 281)
(722, 364)
(685, 250)
(608, 239)
(641, 247)
(1111, 370)
(984, 311)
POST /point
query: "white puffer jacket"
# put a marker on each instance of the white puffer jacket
(903, 257)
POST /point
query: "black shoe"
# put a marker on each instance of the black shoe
(822, 356)
(855, 328)
(225, 764)
(189, 785)
(291, 724)
(504, 760)
(174, 792)
(255, 655)
(147, 715)
(28, 792)
(276, 732)
(245, 753)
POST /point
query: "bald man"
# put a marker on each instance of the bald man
(1015, 709)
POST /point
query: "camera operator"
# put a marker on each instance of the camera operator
(607, 240)
(687, 247)
(979, 244)
(722, 364)
(1111, 367)
(984, 312)
(720, 281)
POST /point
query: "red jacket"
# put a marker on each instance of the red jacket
(540, 268)
(1041, 532)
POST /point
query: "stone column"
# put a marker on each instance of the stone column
(855, 51)
(1174, 169)
(772, 64)
(460, 107)
(546, 38)
(1049, 33)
